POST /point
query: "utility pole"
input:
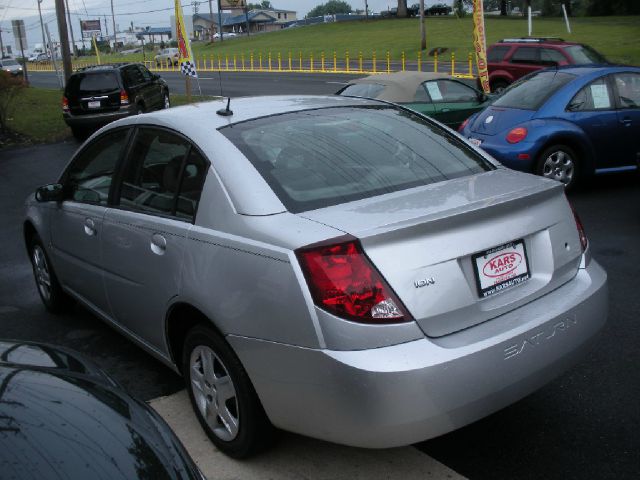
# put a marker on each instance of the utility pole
(115, 37)
(70, 26)
(211, 18)
(366, 10)
(44, 41)
(220, 22)
(423, 32)
(64, 39)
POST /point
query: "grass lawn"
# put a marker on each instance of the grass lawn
(37, 114)
(615, 37)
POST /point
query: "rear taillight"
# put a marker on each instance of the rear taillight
(517, 135)
(581, 233)
(344, 282)
(124, 98)
(464, 124)
(65, 105)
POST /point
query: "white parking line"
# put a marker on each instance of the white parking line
(296, 457)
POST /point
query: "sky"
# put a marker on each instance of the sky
(127, 11)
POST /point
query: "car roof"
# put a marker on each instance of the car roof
(107, 66)
(536, 41)
(400, 86)
(581, 70)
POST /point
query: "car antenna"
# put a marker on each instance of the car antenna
(225, 112)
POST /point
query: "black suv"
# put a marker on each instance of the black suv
(95, 96)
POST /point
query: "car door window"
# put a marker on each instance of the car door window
(133, 76)
(497, 54)
(595, 96)
(525, 55)
(146, 75)
(549, 56)
(448, 91)
(151, 178)
(88, 179)
(628, 89)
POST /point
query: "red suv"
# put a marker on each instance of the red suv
(512, 58)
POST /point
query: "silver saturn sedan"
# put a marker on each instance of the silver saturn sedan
(341, 268)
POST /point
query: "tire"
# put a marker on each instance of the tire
(559, 162)
(166, 101)
(238, 426)
(49, 289)
(498, 86)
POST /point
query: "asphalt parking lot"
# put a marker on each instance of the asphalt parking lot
(582, 425)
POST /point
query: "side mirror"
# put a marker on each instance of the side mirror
(50, 193)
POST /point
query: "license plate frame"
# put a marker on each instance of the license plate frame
(94, 104)
(475, 142)
(500, 268)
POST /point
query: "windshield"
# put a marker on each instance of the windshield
(583, 55)
(529, 93)
(9, 63)
(370, 90)
(317, 158)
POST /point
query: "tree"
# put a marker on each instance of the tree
(264, 5)
(332, 7)
(402, 8)
(10, 87)
(503, 8)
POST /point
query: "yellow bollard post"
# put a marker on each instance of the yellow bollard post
(242, 61)
(251, 58)
(403, 61)
(335, 61)
(235, 62)
(322, 60)
(375, 62)
(360, 62)
(226, 62)
(300, 61)
(435, 61)
(346, 60)
(212, 65)
(470, 59)
(219, 63)
(311, 62)
(290, 61)
(260, 61)
(269, 61)
(279, 62)
(453, 63)
(388, 62)
(419, 61)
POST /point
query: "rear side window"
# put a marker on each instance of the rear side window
(525, 55)
(369, 90)
(549, 56)
(496, 54)
(628, 89)
(584, 55)
(595, 96)
(530, 92)
(316, 158)
(164, 175)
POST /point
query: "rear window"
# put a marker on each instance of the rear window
(317, 158)
(95, 82)
(529, 93)
(370, 90)
(584, 55)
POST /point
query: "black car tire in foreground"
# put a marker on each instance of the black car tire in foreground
(237, 424)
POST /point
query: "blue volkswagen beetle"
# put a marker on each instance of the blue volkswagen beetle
(564, 123)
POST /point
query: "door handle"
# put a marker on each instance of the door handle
(626, 122)
(90, 227)
(158, 244)
(445, 110)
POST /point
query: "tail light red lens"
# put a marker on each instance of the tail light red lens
(65, 104)
(344, 282)
(581, 233)
(124, 97)
(463, 124)
(517, 135)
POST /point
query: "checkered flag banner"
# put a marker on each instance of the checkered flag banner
(188, 69)
(187, 65)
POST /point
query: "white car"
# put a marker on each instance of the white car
(167, 56)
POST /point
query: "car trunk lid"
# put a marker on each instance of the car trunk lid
(494, 120)
(424, 242)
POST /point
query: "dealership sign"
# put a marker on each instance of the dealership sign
(90, 28)
(232, 4)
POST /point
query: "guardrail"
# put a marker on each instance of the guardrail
(290, 62)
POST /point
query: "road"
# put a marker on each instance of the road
(582, 425)
(236, 84)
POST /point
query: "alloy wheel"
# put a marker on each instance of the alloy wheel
(41, 271)
(559, 166)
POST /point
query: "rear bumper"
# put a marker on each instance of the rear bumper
(97, 119)
(402, 394)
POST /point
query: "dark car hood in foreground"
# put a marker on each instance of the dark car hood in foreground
(75, 423)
